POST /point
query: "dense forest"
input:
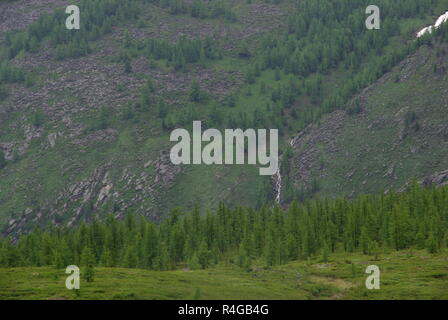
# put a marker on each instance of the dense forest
(417, 218)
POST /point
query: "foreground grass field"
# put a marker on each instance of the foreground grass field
(404, 275)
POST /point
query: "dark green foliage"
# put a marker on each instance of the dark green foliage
(101, 121)
(97, 19)
(127, 66)
(38, 119)
(329, 32)
(325, 252)
(196, 94)
(411, 122)
(128, 113)
(182, 52)
(87, 262)
(198, 8)
(230, 100)
(244, 52)
(2, 159)
(98, 16)
(327, 35)
(3, 92)
(368, 224)
(355, 107)
(11, 74)
(431, 244)
(73, 49)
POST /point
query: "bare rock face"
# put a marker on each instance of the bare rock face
(166, 172)
(7, 148)
(101, 136)
(85, 198)
(437, 179)
(17, 15)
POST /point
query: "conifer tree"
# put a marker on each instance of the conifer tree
(2, 157)
(88, 262)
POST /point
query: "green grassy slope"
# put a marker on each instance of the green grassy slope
(98, 144)
(404, 275)
(399, 133)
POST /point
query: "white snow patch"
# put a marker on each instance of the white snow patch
(422, 32)
(441, 20)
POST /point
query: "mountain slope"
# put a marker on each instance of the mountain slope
(395, 130)
(85, 117)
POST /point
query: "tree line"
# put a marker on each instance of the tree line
(417, 218)
(178, 54)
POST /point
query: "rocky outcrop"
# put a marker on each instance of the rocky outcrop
(87, 198)
(17, 15)
(437, 179)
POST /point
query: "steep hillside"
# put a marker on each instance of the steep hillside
(75, 143)
(395, 130)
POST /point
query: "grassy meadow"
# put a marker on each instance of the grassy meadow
(404, 275)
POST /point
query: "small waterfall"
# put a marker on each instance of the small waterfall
(277, 177)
